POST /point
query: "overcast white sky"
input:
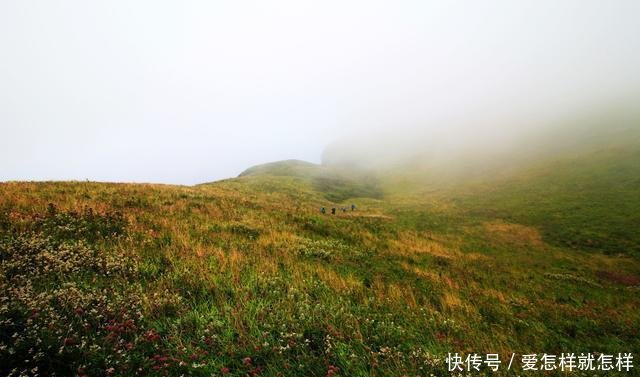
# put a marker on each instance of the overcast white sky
(193, 91)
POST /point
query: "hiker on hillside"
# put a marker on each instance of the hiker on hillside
(353, 207)
(333, 210)
(323, 210)
(344, 209)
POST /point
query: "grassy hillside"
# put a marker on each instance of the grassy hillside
(587, 202)
(335, 182)
(581, 192)
(246, 277)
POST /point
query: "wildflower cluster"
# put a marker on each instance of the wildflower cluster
(65, 306)
(573, 278)
(86, 224)
(323, 249)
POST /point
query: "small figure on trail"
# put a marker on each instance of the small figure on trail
(344, 209)
(323, 210)
(353, 207)
(333, 210)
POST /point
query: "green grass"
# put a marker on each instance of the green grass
(336, 184)
(588, 203)
(247, 277)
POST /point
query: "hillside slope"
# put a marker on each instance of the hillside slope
(588, 202)
(538, 254)
(580, 187)
(337, 184)
(247, 277)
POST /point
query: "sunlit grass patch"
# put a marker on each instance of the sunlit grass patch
(342, 284)
(516, 234)
(413, 243)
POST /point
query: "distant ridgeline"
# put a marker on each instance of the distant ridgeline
(336, 183)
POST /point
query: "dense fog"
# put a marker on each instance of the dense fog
(189, 92)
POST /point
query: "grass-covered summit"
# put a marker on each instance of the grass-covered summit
(336, 183)
(292, 168)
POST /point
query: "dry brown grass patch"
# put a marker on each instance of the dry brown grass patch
(619, 277)
(336, 281)
(516, 234)
(432, 276)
